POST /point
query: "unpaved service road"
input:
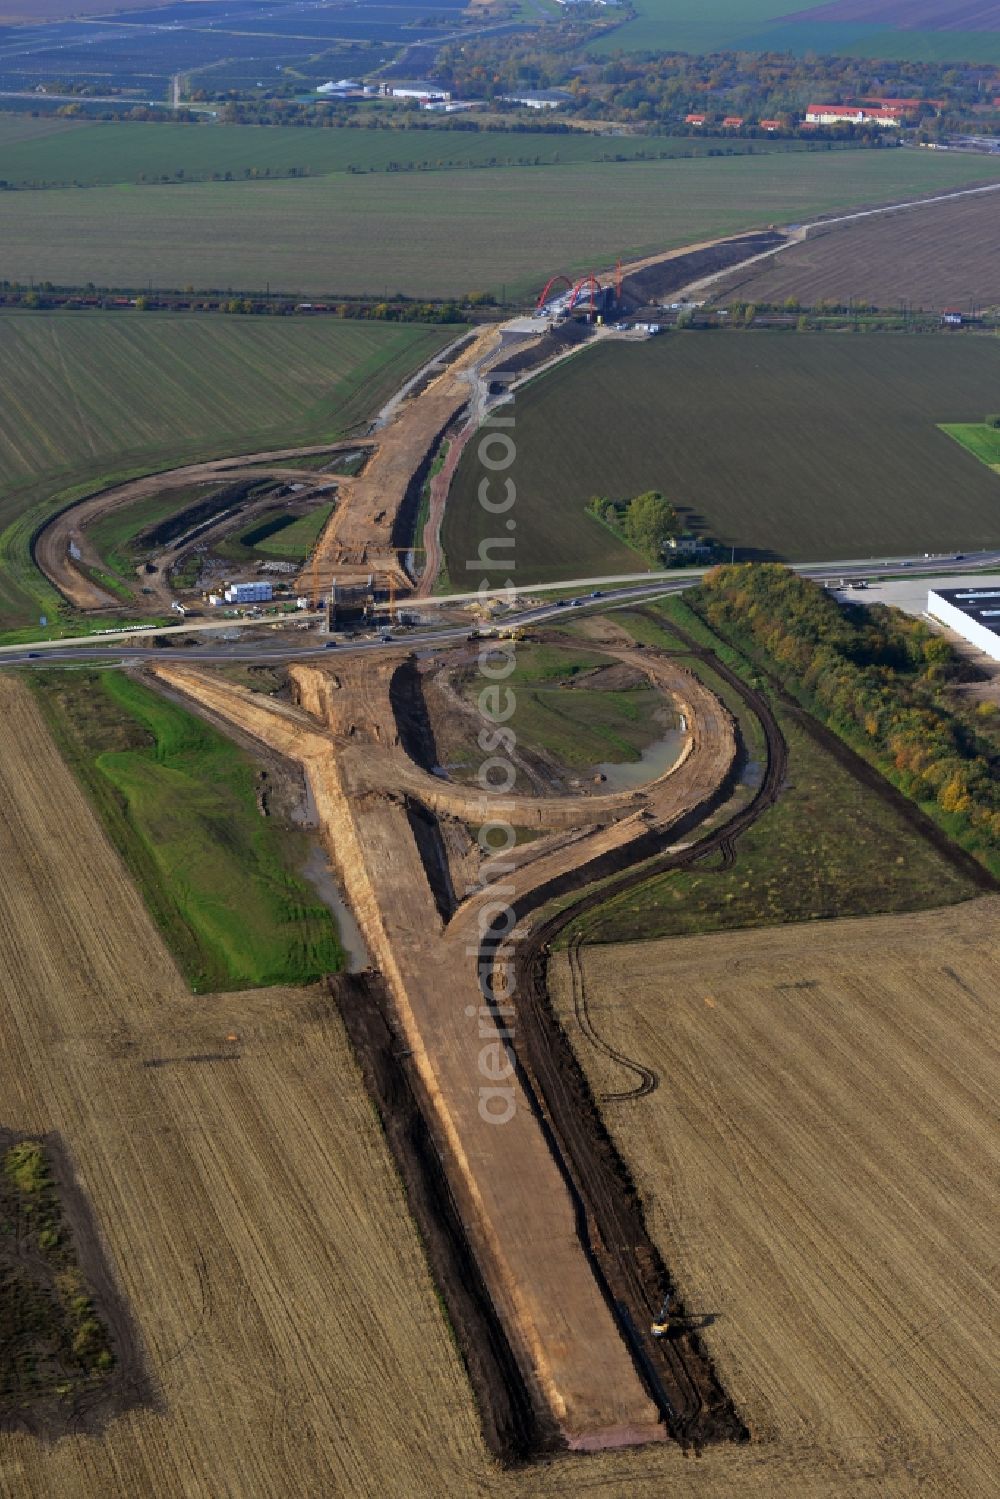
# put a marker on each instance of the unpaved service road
(51, 549)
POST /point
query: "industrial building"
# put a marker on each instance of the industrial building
(973, 613)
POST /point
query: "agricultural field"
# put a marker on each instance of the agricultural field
(782, 445)
(816, 1167)
(134, 58)
(97, 154)
(441, 234)
(183, 807)
(930, 31)
(143, 391)
(931, 257)
(279, 1292)
(801, 860)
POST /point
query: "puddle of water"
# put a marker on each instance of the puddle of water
(655, 759)
(317, 871)
(321, 877)
(752, 774)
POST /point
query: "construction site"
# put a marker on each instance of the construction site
(432, 1173)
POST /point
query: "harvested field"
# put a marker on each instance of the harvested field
(819, 1165)
(259, 1235)
(938, 255)
(243, 1191)
(786, 446)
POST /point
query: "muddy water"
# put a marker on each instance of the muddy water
(321, 877)
(655, 759)
(317, 871)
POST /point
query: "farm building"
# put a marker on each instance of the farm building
(853, 114)
(973, 613)
(770, 124)
(733, 122)
(345, 88)
(695, 119)
(685, 545)
(249, 593)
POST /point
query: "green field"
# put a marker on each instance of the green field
(802, 859)
(295, 541)
(784, 445)
(179, 801)
(440, 234)
(580, 723)
(981, 441)
(762, 26)
(86, 398)
(87, 155)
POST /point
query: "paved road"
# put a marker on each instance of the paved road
(593, 594)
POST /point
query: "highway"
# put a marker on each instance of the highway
(592, 594)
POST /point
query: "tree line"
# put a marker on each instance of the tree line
(882, 679)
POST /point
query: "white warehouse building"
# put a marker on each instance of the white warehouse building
(973, 613)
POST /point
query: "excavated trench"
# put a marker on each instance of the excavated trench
(514, 1427)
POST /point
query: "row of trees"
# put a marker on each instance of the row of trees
(874, 673)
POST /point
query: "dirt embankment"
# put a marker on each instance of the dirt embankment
(513, 1187)
(363, 533)
(51, 545)
(652, 280)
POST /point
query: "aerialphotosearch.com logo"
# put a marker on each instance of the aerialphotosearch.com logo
(497, 495)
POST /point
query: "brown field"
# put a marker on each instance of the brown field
(934, 256)
(819, 1162)
(249, 1208)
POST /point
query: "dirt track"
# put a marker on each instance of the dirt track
(51, 547)
(515, 1205)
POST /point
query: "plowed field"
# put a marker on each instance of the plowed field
(821, 1166)
(939, 255)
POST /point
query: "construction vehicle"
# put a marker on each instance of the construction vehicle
(664, 1322)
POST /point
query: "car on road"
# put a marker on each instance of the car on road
(597, 594)
(576, 603)
(330, 645)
